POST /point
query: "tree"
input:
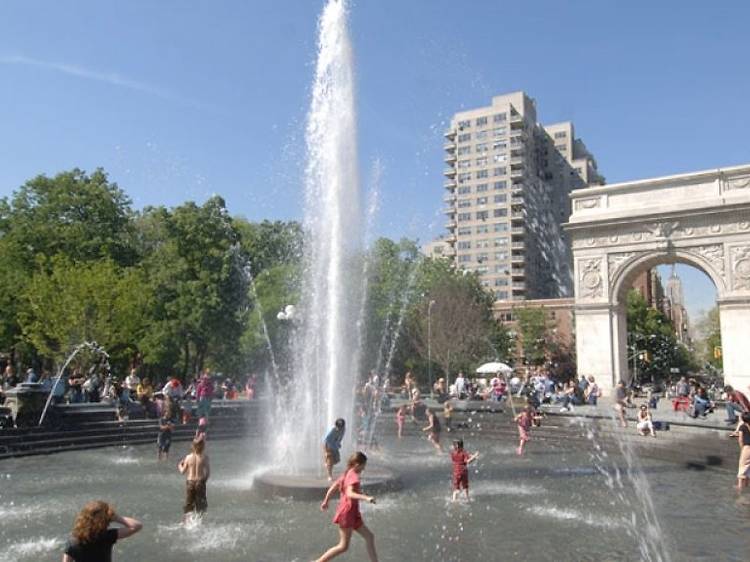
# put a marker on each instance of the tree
(709, 340)
(532, 328)
(269, 244)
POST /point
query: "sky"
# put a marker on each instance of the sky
(181, 99)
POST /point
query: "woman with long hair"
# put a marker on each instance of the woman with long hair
(742, 433)
(92, 539)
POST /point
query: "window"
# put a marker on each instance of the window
(500, 146)
(482, 187)
(502, 282)
(498, 185)
(481, 174)
(483, 215)
(500, 198)
(464, 189)
(498, 158)
(561, 146)
(464, 124)
(498, 172)
(481, 201)
(501, 256)
(464, 231)
(501, 295)
(464, 150)
(481, 121)
(501, 227)
(482, 161)
(463, 258)
(501, 268)
(464, 216)
(463, 203)
(481, 148)
(499, 132)
(464, 163)
(481, 135)
(483, 229)
(483, 243)
(464, 177)
(501, 241)
(482, 269)
(464, 245)
(499, 117)
(561, 135)
(466, 137)
(481, 258)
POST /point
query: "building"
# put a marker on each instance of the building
(649, 285)
(507, 183)
(675, 308)
(438, 248)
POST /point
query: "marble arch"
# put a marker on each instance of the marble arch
(619, 230)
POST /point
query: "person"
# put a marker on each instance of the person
(644, 424)
(332, 446)
(460, 386)
(75, 382)
(461, 459)
(92, 539)
(164, 439)
(682, 388)
(145, 393)
(91, 386)
(196, 468)
(621, 396)
(523, 421)
(409, 384)
(434, 430)
(201, 430)
(400, 418)
(568, 396)
(204, 393)
(31, 376)
(132, 381)
(348, 516)
(736, 401)
(742, 433)
(702, 406)
(592, 392)
(448, 415)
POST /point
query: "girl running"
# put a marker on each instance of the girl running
(523, 420)
(348, 517)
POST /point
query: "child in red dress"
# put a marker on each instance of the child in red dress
(524, 420)
(348, 517)
(461, 459)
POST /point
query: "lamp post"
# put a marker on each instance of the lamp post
(429, 346)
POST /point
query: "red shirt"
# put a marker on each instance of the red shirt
(460, 460)
(740, 398)
(347, 512)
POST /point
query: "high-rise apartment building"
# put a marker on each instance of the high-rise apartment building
(507, 182)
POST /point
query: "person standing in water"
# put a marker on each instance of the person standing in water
(197, 471)
(460, 460)
(434, 430)
(523, 421)
(400, 418)
(742, 433)
(92, 538)
(332, 446)
(348, 516)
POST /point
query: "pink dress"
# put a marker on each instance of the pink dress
(524, 424)
(347, 513)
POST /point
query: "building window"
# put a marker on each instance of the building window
(464, 150)
(500, 213)
(499, 185)
(481, 135)
(500, 198)
(482, 161)
(466, 137)
(499, 117)
(501, 295)
(464, 189)
(464, 177)
(501, 241)
(498, 158)
(464, 216)
(481, 148)
(561, 135)
(464, 163)
(483, 215)
(463, 258)
(483, 229)
(482, 269)
(499, 146)
(481, 174)
(498, 172)
(481, 258)
(464, 124)
(499, 132)
(464, 231)
(501, 256)
(481, 121)
(464, 245)
(463, 203)
(501, 282)
(482, 187)
(483, 243)
(481, 200)
(501, 227)
(561, 146)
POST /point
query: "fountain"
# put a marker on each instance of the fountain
(326, 339)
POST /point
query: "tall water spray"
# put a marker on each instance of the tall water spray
(325, 340)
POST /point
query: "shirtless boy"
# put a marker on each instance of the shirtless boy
(197, 470)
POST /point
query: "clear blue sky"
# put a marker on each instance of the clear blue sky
(180, 99)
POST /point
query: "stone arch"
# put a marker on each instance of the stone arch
(624, 274)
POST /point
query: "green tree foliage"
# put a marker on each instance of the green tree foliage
(532, 329)
(709, 340)
(270, 243)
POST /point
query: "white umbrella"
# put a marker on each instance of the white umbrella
(494, 367)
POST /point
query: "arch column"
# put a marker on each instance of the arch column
(734, 320)
(601, 343)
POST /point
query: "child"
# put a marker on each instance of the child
(332, 446)
(448, 415)
(200, 432)
(434, 430)
(197, 471)
(400, 419)
(348, 517)
(523, 420)
(461, 459)
(164, 439)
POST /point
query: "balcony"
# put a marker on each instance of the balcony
(449, 146)
(450, 134)
(518, 135)
(449, 210)
(517, 201)
(518, 216)
(449, 172)
(516, 151)
(517, 160)
(450, 225)
(515, 174)
(449, 197)
(449, 184)
(449, 251)
(516, 118)
(518, 258)
(519, 286)
(518, 246)
(450, 158)
(518, 231)
(451, 238)
(518, 272)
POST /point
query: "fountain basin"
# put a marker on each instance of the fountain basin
(375, 480)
